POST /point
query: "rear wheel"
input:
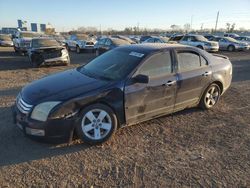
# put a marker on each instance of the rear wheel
(200, 47)
(231, 48)
(210, 97)
(97, 124)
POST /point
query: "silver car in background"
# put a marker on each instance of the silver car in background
(201, 42)
(245, 39)
(79, 42)
(5, 40)
(22, 40)
(230, 44)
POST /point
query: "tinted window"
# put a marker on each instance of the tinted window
(101, 41)
(157, 65)
(108, 42)
(185, 38)
(188, 61)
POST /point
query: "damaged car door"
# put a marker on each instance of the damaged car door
(146, 99)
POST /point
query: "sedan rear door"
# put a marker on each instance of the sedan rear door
(194, 75)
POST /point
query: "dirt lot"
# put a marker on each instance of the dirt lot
(192, 148)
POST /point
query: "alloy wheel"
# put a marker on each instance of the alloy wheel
(96, 124)
(212, 96)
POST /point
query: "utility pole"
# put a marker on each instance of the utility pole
(217, 18)
(191, 25)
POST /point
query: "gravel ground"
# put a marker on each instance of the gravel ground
(191, 148)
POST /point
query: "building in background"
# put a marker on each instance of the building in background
(43, 27)
(22, 25)
(33, 27)
(9, 30)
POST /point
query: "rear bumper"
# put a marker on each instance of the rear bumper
(53, 130)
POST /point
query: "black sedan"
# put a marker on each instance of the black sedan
(108, 43)
(124, 86)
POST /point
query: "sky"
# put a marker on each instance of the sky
(66, 15)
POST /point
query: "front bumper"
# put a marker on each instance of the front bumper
(87, 47)
(58, 60)
(53, 130)
(212, 48)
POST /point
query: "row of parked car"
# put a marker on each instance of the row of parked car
(42, 49)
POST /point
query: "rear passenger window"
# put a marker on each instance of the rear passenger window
(157, 65)
(188, 61)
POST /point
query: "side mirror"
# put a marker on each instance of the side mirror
(144, 79)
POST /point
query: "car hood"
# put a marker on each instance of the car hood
(60, 87)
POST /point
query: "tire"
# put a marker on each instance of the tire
(78, 50)
(231, 48)
(15, 49)
(97, 123)
(210, 97)
(36, 61)
(200, 47)
(97, 53)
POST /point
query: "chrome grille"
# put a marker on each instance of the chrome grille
(23, 106)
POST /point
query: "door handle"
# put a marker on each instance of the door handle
(206, 74)
(170, 83)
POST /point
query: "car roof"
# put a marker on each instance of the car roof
(152, 47)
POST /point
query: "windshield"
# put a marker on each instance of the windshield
(201, 38)
(5, 37)
(231, 39)
(112, 65)
(29, 35)
(37, 43)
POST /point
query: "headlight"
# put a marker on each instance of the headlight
(41, 111)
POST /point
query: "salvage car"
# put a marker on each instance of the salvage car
(5, 40)
(124, 86)
(108, 43)
(22, 40)
(47, 51)
(201, 42)
(230, 44)
(80, 42)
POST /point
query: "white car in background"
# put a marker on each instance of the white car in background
(201, 42)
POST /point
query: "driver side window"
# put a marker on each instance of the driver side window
(157, 65)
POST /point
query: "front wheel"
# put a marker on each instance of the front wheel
(231, 48)
(97, 124)
(210, 97)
